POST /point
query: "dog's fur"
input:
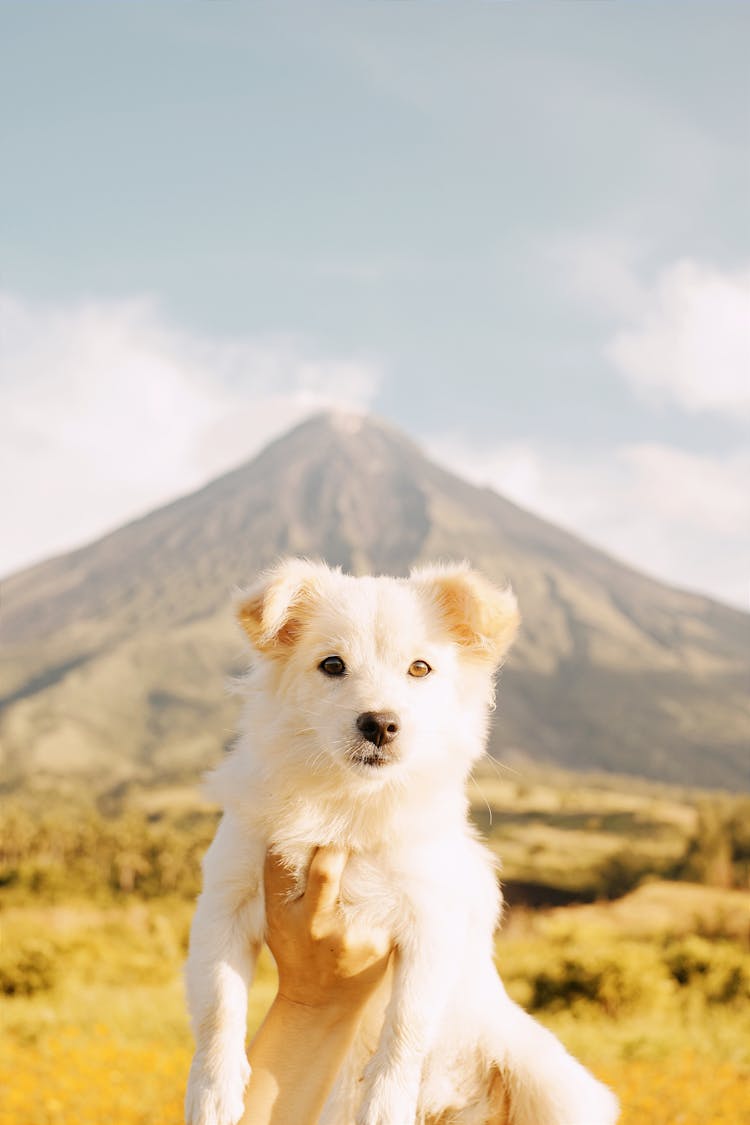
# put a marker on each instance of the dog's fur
(451, 1046)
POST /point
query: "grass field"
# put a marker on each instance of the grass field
(651, 990)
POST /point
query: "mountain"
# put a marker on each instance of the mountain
(114, 658)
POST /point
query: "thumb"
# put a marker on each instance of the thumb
(324, 879)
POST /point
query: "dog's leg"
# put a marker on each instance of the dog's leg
(424, 971)
(225, 938)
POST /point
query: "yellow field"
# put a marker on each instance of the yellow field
(93, 1078)
(650, 990)
(105, 1040)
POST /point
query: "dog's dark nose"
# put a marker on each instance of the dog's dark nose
(379, 727)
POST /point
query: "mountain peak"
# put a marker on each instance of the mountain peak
(345, 428)
(347, 487)
(343, 421)
(127, 640)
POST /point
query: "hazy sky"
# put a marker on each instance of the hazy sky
(518, 230)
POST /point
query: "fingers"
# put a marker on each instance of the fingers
(324, 879)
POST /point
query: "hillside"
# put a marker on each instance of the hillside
(114, 658)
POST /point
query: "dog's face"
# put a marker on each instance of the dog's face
(381, 677)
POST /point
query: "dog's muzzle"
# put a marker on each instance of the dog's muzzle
(365, 754)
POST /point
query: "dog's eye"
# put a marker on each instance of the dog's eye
(333, 666)
(419, 668)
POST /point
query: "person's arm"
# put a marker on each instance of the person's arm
(327, 971)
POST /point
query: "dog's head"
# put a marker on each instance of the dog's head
(382, 677)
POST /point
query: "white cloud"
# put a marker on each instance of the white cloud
(691, 342)
(682, 340)
(106, 410)
(681, 517)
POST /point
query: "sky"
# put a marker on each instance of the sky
(518, 231)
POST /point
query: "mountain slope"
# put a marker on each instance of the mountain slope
(114, 657)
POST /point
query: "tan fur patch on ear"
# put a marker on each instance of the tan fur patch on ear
(481, 618)
(272, 613)
(250, 616)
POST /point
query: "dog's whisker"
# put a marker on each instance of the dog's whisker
(501, 768)
(487, 803)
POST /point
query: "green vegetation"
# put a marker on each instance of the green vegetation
(568, 838)
(54, 853)
(578, 840)
(651, 989)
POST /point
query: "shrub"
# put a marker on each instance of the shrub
(586, 972)
(27, 970)
(720, 970)
(621, 873)
(575, 980)
(59, 853)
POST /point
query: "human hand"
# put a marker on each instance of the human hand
(323, 958)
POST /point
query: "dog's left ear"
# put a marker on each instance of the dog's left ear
(483, 619)
(273, 611)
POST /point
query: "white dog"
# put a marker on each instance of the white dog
(367, 706)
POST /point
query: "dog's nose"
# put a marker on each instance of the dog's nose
(379, 727)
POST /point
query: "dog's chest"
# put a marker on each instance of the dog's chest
(375, 891)
(399, 866)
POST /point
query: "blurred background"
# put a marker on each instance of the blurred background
(378, 283)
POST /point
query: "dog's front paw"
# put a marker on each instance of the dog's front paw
(216, 1098)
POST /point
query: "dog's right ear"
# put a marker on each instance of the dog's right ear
(272, 612)
(481, 618)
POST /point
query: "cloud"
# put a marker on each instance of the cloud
(682, 339)
(107, 410)
(682, 517)
(691, 343)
